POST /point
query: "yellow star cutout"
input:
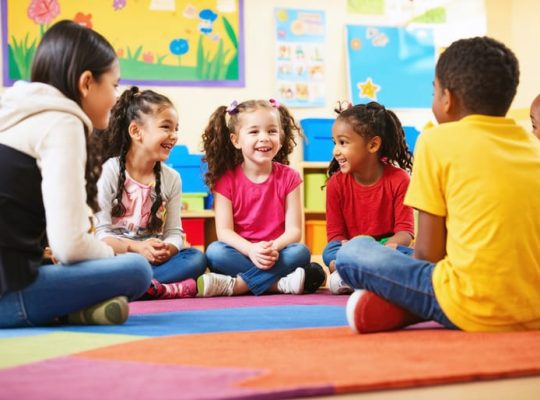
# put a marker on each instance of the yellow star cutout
(368, 89)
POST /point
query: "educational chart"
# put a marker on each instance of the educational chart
(394, 66)
(300, 60)
(158, 42)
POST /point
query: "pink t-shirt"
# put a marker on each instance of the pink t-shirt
(259, 208)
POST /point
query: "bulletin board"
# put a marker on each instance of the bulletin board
(392, 46)
(392, 65)
(158, 42)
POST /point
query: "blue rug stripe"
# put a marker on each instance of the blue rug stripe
(218, 320)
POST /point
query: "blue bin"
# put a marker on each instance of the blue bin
(318, 145)
(411, 134)
(191, 169)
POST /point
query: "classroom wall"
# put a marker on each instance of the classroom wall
(512, 21)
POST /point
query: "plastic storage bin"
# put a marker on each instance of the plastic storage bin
(411, 134)
(194, 229)
(314, 193)
(316, 236)
(318, 145)
(191, 169)
(193, 201)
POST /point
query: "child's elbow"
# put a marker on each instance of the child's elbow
(295, 234)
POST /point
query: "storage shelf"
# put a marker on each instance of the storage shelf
(198, 214)
(314, 165)
(315, 213)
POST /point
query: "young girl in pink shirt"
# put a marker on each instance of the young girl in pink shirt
(257, 204)
(368, 181)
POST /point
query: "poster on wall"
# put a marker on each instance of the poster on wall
(393, 45)
(393, 66)
(300, 58)
(158, 42)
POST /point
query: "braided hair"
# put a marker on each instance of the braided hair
(373, 119)
(221, 155)
(131, 105)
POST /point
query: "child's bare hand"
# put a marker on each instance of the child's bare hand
(151, 249)
(263, 255)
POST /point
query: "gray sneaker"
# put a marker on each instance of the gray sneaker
(292, 283)
(212, 284)
(109, 312)
(337, 286)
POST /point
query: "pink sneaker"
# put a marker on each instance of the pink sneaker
(368, 313)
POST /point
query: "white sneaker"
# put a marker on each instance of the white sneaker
(292, 283)
(212, 284)
(337, 286)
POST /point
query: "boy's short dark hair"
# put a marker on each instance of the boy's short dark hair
(482, 72)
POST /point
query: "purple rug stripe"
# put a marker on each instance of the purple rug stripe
(426, 325)
(322, 297)
(61, 379)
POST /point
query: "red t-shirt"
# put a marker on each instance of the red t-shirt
(377, 210)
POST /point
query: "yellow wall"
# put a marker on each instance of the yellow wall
(514, 22)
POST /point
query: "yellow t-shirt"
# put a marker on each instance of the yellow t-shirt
(482, 174)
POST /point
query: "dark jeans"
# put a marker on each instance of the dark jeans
(363, 263)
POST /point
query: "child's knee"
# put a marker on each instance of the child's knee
(298, 251)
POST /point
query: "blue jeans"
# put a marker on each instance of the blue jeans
(331, 249)
(226, 260)
(363, 263)
(187, 263)
(62, 289)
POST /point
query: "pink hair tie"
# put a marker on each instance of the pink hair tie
(274, 103)
(232, 107)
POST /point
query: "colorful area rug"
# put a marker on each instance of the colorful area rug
(268, 347)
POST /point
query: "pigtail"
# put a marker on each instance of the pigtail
(156, 223)
(220, 154)
(290, 129)
(118, 208)
(116, 141)
(394, 147)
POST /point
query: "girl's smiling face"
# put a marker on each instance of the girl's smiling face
(259, 135)
(158, 132)
(352, 151)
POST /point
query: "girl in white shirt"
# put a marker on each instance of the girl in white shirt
(139, 196)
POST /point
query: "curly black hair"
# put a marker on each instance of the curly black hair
(115, 142)
(482, 72)
(221, 155)
(373, 119)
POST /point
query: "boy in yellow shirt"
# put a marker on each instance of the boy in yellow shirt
(475, 185)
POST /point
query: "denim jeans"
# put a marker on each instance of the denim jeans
(62, 289)
(331, 249)
(363, 263)
(187, 263)
(226, 260)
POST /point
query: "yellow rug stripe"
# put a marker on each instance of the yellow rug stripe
(28, 349)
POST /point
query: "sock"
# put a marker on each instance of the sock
(175, 290)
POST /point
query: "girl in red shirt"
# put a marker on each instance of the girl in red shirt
(368, 180)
